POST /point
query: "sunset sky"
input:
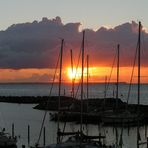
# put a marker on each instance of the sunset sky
(30, 33)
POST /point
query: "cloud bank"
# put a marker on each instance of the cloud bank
(37, 44)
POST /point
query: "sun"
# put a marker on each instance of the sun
(74, 73)
(95, 74)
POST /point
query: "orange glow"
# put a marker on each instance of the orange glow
(93, 72)
(96, 74)
(74, 74)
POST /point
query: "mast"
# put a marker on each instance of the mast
(117, 85)
(139, 64)
(87, 78)
(82, 88)
(72, 90)
(105, 88)
(60, 79)
(117, 89)
(87, 90)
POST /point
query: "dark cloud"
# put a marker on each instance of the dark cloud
(37, 44)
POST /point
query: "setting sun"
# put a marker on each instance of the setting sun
(98, 74)
(93, 72)
(74, 73)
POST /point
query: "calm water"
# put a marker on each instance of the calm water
(22, 115)
(95, 91)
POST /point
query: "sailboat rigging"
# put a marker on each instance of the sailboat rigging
(77, 139)
(138, 91)
(60, 79)
(72, 69)
(117, 84)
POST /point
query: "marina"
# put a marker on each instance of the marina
(23, 115)
(78, 79)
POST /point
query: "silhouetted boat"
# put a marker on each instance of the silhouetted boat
(77, 139)
(117, 116)
(7, 141)
(124, 118)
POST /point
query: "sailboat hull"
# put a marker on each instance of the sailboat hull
(7, 141)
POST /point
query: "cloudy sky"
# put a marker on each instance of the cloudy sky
(91, 13)
(31, 32)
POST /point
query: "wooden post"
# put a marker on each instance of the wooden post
(145, 131)
(28, 135)
(147, 142)
(12, 130)
(44, 137)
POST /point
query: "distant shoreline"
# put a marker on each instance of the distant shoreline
(66, 83)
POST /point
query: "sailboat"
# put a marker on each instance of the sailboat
(138, 89)
(117, 116)
(77, 139)
(7, 141)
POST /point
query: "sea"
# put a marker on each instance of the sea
(23, 115)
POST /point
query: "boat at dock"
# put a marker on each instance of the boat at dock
(7, 141)
(124, 118)
(75, 139)
(117, 116)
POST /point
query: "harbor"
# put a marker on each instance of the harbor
(73, 74)
(22, 115)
